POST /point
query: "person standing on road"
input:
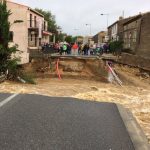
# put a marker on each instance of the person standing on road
(82, 49)
(106, 47)
(86, 49)
(75, 49)
(64, 49)
(68, 49)
(91, 50)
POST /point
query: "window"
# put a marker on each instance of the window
(11, 35)
(44, 25)
(130, 38)
(31, 37)
(134, 36)
(35, 22)
(39, 41)
(125, 27)
(30, 20)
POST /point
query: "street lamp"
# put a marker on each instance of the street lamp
(90, 28)
(107, 17)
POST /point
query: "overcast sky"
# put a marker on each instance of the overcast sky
(75, 14)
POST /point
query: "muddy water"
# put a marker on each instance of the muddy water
(136, 98)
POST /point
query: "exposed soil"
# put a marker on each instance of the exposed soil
(134, 94)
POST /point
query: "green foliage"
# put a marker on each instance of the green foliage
(74, 39)
(28, 78)
(60, 37)
(69, 39)
(4, 25)
(52, 26)
(12, 67)
(79, 36)
(7, 62)
(115, 46)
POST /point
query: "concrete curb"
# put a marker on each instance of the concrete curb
(136, 134)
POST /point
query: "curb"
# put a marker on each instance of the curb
(136, 134)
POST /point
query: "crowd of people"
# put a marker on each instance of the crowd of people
(81, 49)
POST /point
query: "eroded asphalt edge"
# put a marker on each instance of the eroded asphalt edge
(135, 132)
(8, 99)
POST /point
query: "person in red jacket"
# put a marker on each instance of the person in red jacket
(75, 49)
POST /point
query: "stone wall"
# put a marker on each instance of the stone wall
(135, 61)
(144, 43)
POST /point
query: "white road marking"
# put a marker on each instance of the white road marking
(7, 99)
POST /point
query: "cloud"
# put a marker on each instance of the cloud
(71, 14)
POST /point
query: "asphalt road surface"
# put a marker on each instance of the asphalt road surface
(33, 122)
(4, 96)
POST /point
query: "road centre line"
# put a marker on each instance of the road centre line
(5, 101)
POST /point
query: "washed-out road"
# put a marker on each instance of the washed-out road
(33, 122)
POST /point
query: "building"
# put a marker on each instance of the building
(30, 32)
(88, 40)
(100, 37)
(137, 35)
(115, 31)
(79, 39)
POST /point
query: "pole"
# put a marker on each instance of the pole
(107, 20)
(123, 14)
(90, 29)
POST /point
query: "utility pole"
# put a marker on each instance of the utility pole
(107, 18)
(123, 14)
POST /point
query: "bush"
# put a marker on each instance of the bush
(115, 46)
(28, 78)
(8, 64)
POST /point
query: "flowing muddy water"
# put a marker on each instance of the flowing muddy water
(135, 98)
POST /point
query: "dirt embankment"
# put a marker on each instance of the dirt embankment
(68, 68)
(134, 94)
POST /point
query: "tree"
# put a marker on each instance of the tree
(69, 39)
(7, 62)
(74, 39)
(116, 47)
(52, 26)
